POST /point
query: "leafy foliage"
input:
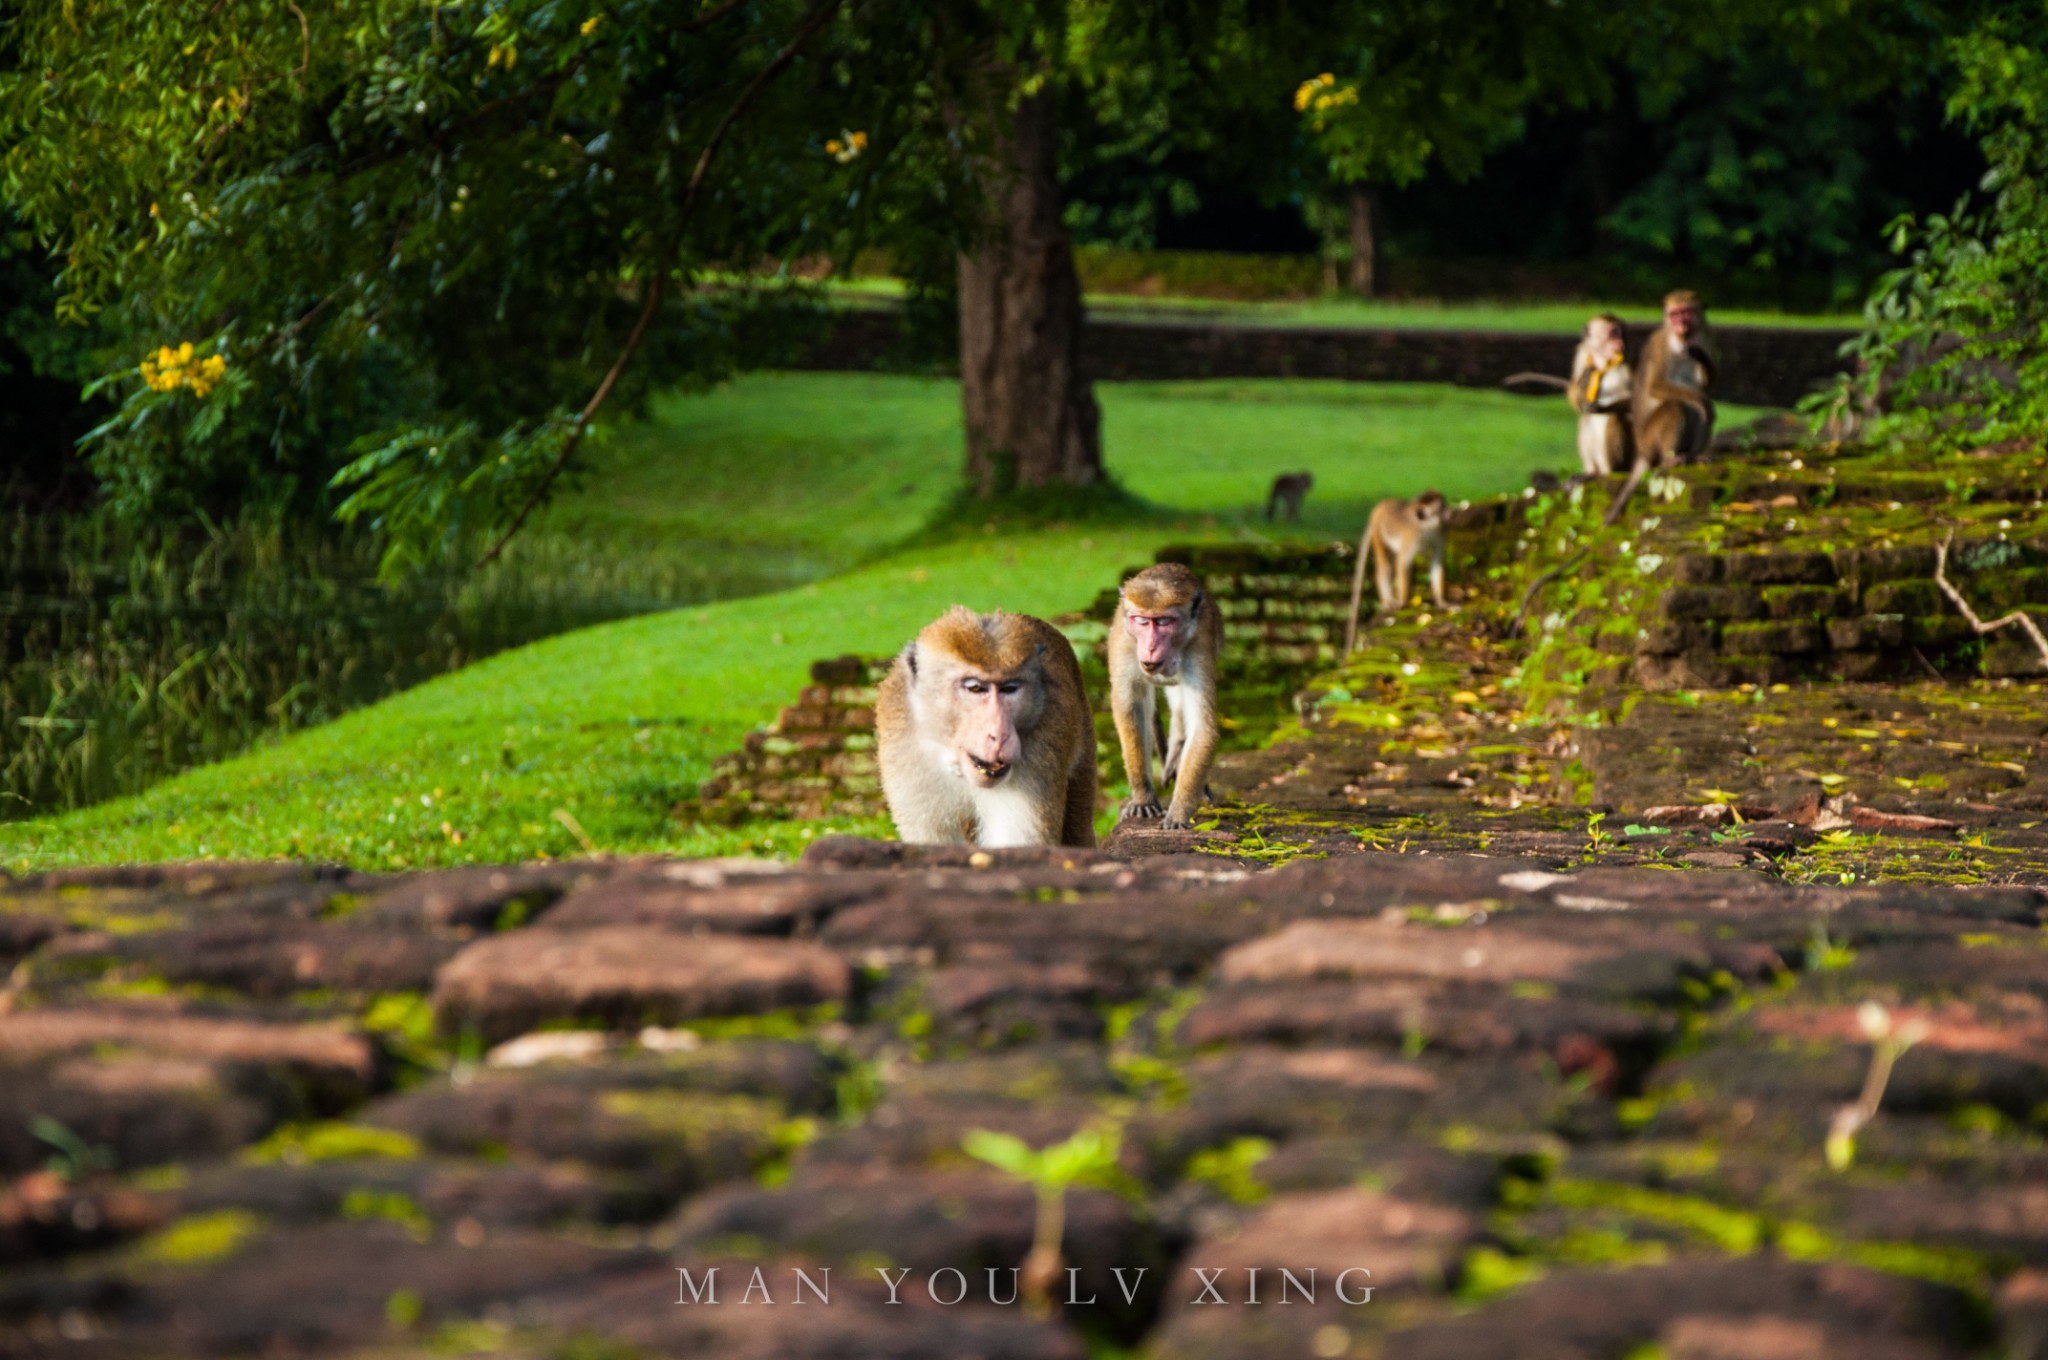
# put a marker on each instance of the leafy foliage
(1759, 170)
(1428, 84)
(1956, 340)
(405, 227)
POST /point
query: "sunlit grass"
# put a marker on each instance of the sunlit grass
(595, 738)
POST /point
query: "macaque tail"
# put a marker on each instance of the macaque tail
(1357, 590)
(1628, 489)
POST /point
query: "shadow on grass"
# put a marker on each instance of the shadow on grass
(968, 516)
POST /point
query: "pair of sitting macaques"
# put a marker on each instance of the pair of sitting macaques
(1653, 416)
(984, 733)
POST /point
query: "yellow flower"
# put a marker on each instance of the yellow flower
(169, 369)
(502, 53)
(590, 25)
(847, 146)
(211, 370)
(1310, 88)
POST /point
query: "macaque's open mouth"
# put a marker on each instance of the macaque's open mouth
(990, 770)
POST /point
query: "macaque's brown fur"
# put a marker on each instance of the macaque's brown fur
(984, 737)
(1673, 416)
(1396, 535)
(1166, 636)
(1288, 490)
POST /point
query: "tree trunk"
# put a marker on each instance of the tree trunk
(1030, 410)
(1364, 247)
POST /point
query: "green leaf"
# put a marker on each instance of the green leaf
(1004, 1151)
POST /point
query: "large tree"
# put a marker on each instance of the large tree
(446, 238)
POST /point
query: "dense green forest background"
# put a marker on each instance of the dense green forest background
(1746, 176)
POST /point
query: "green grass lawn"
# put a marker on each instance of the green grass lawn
(837, 467)
(590, 738)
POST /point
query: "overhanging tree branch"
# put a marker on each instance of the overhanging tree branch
(812, 23)
(583, 417)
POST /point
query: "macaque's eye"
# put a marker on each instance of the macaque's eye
(974, 686)
(1010, 687)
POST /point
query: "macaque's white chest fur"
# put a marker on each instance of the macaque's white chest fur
(1006, 815)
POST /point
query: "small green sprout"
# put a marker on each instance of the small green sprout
(1087, 1158)
(1888, 1043)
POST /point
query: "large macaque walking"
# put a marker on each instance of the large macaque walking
(984, 737)
(1165, 638)
(1672, 414)
(1600, 393)
(1397, 534)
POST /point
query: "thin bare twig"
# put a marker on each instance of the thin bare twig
(2018, 616)
(305, 39)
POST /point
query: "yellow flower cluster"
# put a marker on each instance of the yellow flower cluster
(1321, 95)
(170, 369)
(590, 25)
(847, 150)
(502, 52)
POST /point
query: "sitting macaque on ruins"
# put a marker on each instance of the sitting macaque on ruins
(1600, 393)
(1671, 412)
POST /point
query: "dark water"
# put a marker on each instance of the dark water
(123, 661)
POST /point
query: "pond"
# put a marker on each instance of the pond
(124, 659)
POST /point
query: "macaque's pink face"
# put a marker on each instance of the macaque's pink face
(1159, 638)
(1605, 335)
(1683, 321)
(990, 712)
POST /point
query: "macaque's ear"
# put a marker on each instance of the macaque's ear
(910, 659)
(1195, 605)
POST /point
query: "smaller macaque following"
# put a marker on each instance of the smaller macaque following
(1288, 490)
(984, 737)
(1396, 535)
(1165, 638)
(1599, 392)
